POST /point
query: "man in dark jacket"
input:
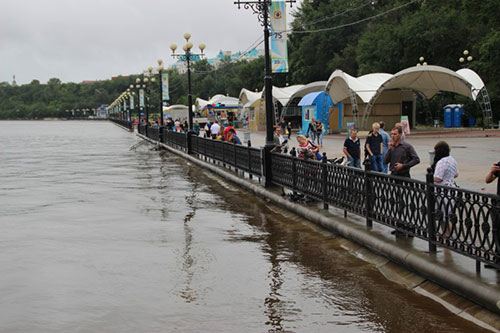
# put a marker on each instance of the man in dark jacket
(401, 156)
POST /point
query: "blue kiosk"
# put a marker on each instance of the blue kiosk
(317, 105)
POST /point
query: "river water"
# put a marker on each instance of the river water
(99, 237)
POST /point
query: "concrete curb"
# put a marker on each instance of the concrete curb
(480, 293)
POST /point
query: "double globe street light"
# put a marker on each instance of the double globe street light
(188, 57)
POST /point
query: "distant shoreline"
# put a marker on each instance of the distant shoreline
(57, 119)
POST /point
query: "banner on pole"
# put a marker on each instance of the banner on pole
(132, 104)
(141, 98)
(124, 105)
(164, 87)
(279, 51)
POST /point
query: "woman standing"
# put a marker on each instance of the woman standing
(319, 133)
(445, 166)
(445, 171)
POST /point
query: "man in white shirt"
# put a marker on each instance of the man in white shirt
(214, 129)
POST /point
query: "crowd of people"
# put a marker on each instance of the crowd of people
(219, 132)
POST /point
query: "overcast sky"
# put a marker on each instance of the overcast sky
(77, 40)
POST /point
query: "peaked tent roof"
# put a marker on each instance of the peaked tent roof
(309, 88)
(284, 94)
(474, 79)
(200, 103)
(428, 80)
(248, 96)
(226, 100)
(340, 85)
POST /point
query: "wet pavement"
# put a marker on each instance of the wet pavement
(97, 237)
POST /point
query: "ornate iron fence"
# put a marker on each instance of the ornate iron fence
(122, 122)
(463, 221)
(153, 133)
(142, 129)
(175, 140)
(243, 158)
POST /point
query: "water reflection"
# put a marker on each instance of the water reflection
(273, 301)
(189, 294)
(313, 282)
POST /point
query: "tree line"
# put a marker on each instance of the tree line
(359, 37)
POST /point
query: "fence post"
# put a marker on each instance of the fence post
(161, 132)
(249, 144)
(267, 160)
(293, 152)
(223, 154)
(324, 173)
(431, 206)
(234, 158)
(188, 142)
(368, 193)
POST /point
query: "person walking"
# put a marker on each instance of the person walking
(214, 129)
(385, 145)
(289, 129)
(352, 149)
(401, 156)
(319, 133)
(373, 147)
(311, 130)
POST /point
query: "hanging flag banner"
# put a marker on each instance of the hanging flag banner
(279, 51)
(124, 105)
(164, 87)
(132, 102)
(141, 98)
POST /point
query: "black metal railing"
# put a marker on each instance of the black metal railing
(142, 129)
(153, 133)
(121, 122)
(240, 157)
(177, 140)
(463, 221)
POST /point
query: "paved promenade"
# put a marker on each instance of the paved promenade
(475, 152)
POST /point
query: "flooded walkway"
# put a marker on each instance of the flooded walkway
(97, 237)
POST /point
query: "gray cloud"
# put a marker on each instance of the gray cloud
(77, 40)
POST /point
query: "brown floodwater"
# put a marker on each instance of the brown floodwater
(99, 237)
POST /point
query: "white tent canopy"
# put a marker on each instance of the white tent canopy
(428, 80)
(248, 97)
(200, 103)
(341, 85)
(226, 100)
(283, 95)
(474, 79)
(309, 88)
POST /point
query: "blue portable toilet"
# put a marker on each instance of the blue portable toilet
(448, 117)
(458, 112)
(316, 105)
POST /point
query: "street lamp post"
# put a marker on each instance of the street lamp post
(160, 70)
(261, 8)
(188, 56)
